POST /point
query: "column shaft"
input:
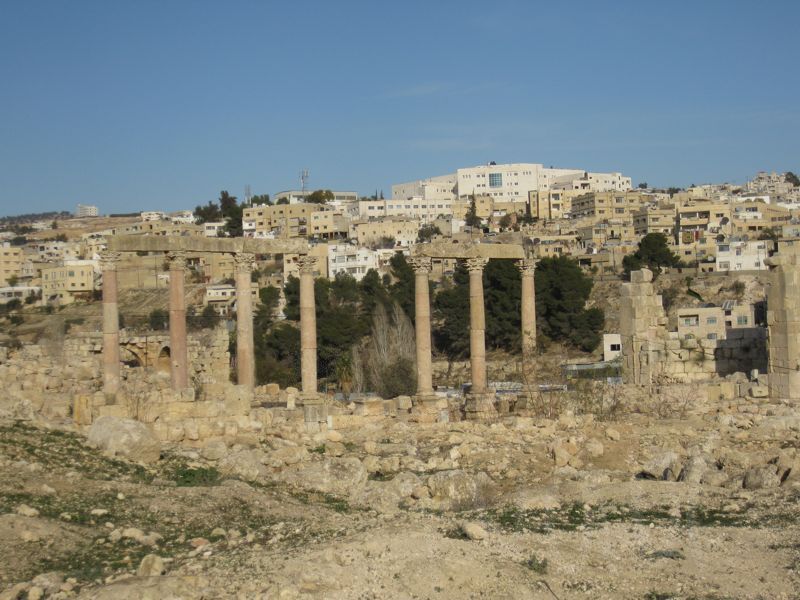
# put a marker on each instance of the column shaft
(308, 326)
(422, 309)
(245, 350)
(477, 325)
(527, 268)
(178, 351)
(111, 358)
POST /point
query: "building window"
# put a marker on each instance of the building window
(616, 347)
(712, 336)
(711, 321)
(495, 180)
(741, 320)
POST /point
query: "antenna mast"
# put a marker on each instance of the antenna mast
(303, 180)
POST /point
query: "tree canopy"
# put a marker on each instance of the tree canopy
(320, 196)
(472, 219)
(226, 208)
(562, 290)
(653, 253)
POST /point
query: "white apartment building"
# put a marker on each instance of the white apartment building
(299, 196)
(350, 259)
(508, 183)
(442, 187)
(742, 256)
(425, 210)
(86, 210)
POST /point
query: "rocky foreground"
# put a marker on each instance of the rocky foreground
(523, 508)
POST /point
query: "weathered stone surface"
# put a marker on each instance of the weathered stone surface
(760, 477)
(473, 531)
(248, 465)
(152, 565)
(694, 470)
(151, 588)
(339, 476)
(126, 438)
(458, 489)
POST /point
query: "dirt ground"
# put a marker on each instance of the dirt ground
(74, 523)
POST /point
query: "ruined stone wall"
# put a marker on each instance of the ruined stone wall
(651, 354)
(48, 378)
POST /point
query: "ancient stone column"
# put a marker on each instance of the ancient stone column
(308, 326)
(783, 325)
(111, 362)
(480, 401)
(642, 327)
(527, 268)
(179, 360)
(422, 308)
(477, 325)
(245, 351)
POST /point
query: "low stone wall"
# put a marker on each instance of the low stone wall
(702, 359)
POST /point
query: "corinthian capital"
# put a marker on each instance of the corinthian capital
(177, 259)
(420, 264)
(476, 265)
(527, 266)
(244, 262)
(307, 264)
(109, 260)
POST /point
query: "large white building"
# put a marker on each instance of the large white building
(86, 210)
(507, 183)
(299, 196)
(350, 259)
(742, 255)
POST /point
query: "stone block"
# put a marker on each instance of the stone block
(111, 410)
(369, 407)
(82, 410)
(345, 421)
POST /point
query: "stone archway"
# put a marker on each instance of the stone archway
(163, 360)
(130, 358)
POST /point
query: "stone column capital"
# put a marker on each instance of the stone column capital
(420, 264)
(527, 266)
(307, 264)
(244, 261)
(476, 265)
(177, 259)
(109, 260)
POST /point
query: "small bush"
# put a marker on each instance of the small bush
(536, 565)
(195, 477)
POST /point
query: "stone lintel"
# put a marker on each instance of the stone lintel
(469, 250)
(159, 243)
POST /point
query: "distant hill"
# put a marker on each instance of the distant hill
(11, 221)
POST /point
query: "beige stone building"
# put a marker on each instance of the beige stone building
(654, 219)
(11, 259)
(751, 218)
(713, 322)
(552, 204)
(695, 218)
(403, 231)
(63, 284)
(282, 220)
(608, 205)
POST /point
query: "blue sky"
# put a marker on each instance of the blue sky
(162, 104)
